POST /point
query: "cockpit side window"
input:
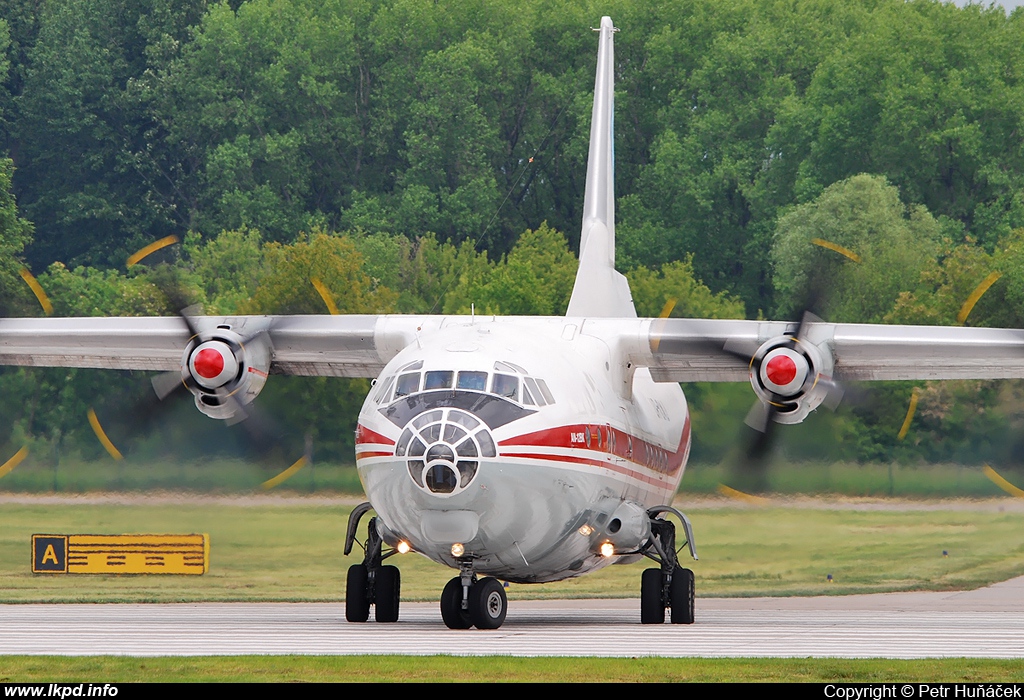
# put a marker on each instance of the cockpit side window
(385, 391)
(438, 380)
(505, 385)
(527, 396)
(530, 388)
(474, 381)
(407, 384)
(545, 391)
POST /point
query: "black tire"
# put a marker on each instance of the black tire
(652, 608)
(681, 595)
(387, 593)
(455, 618)
(357, 603)
(487, 604)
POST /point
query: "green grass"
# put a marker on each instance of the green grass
(291, 551)
(207, 476)
(40, 475)
(852, 479)
(491, 669)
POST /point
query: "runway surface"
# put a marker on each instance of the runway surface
(985, 623)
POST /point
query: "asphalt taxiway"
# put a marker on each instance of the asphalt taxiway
(988, 622)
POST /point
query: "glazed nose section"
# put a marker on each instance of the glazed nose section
(441, 475)
(443, 448)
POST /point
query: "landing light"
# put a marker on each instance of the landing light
(585, 530)
(458, 550)
(607, 549)
(403, 547)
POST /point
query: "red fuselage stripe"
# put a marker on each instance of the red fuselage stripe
(368, 453)
(604, 438)
(366, 436)
(592, 462)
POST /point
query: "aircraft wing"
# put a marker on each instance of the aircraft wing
(675, 350)
(340, 346)
(690, 350)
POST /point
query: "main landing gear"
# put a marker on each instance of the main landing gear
(372, 582)
(470, 602)
(670, 586)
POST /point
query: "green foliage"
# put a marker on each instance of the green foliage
(226, 268)
(535, 279)
(15, 234)
(676, 281)
(951, 281)
(86, 291)
(87, 176)
(429, 269)
(449, 140)
(286, 281)
(865, 216)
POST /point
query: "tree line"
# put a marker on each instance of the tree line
(421, 157)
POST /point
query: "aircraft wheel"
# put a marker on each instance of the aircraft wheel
(357, 603)
(681, 594)
(487, 604)
(652, 609)
(455, 618)
(388, 588)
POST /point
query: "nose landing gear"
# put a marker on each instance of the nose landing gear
(468, 602)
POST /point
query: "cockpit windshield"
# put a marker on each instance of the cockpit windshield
(508, 381)
(474, 381)
(407, 384)
(505, 385)
(438, 380)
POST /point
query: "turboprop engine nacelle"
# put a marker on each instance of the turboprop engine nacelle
(225, 371)
(794, 376)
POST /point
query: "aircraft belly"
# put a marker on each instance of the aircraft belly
(527, 517)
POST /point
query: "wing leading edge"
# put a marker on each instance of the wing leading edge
(675, 350)
(336, 346)
(688, 350)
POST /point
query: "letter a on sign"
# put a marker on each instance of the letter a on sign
(49, 554)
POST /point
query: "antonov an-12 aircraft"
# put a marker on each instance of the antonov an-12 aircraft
(522, 449)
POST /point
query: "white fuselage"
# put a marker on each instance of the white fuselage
(513, 441)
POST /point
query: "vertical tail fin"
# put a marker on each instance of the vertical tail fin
(599, 289)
